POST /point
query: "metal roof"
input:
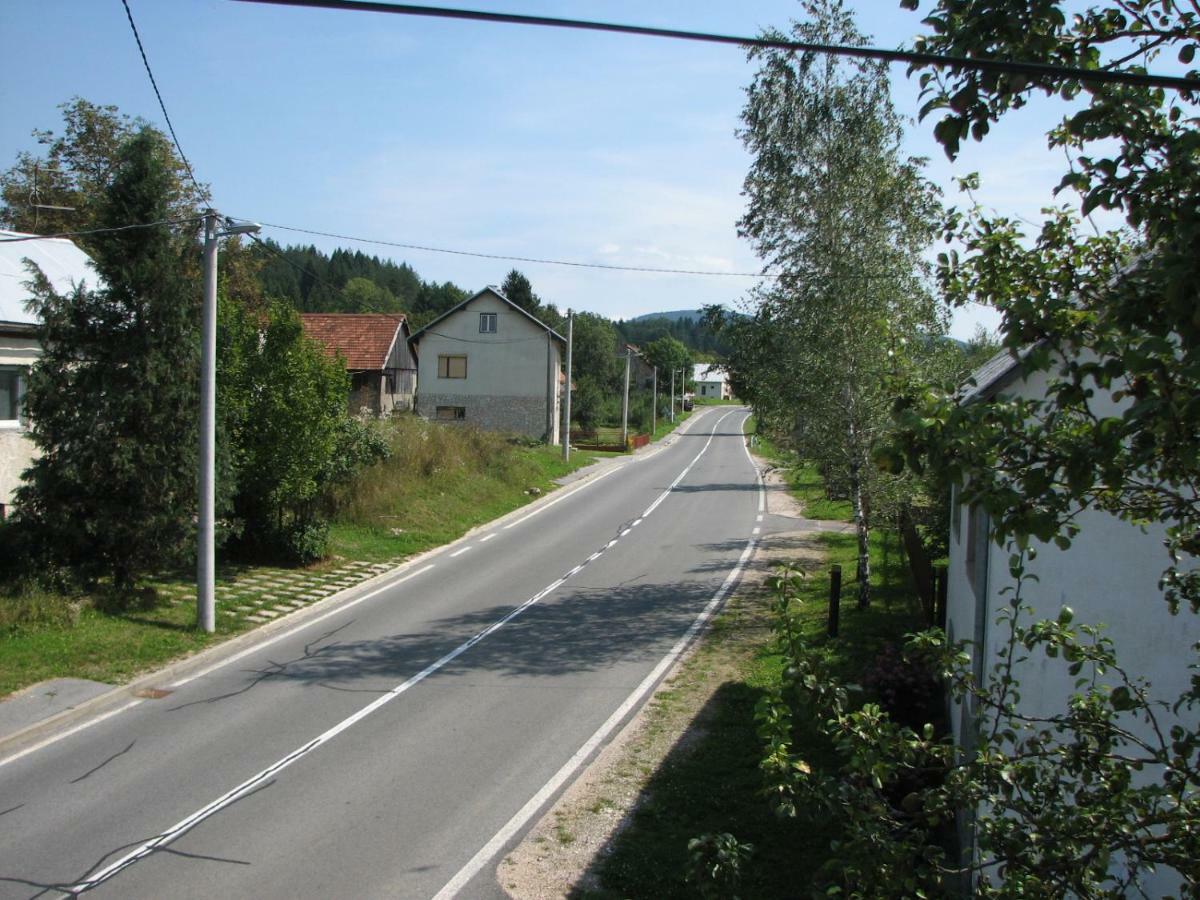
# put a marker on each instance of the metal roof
(62, 262)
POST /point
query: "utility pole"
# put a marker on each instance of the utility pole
(566, 440)
(654, 405)
(206, 557)
(625, 400)
(672, 396)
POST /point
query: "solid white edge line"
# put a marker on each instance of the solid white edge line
(70, 731)
(527, 812)
(519, 820)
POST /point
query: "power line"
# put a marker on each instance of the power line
(1040, 70)
(161, 105)
(525, 259)
(89, 231)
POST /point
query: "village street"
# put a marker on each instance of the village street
(381, 748)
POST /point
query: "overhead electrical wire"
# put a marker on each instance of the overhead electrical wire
(161, 105)
(1037, 70)
(527, 259)
(89, 231)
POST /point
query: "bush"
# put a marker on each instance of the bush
(905, 687)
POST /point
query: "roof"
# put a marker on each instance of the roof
(994, 375)
(495, 292)
(364, 340)
(61, 261)
(709, 372)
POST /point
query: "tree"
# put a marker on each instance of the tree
(595, 369)
(283, 414)
(76, 171)
(519, 290)
(842, 218)
(113, 399)
(1110, 311)
(669, 355)
(1084, 800)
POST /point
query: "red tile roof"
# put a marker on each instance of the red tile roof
(364, 339)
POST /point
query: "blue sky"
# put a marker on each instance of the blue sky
(487, 138)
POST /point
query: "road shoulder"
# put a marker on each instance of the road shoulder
(560, 855)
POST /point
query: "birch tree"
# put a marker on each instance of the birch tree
(841, 217)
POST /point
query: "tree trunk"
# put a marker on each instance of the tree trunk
(860, 526)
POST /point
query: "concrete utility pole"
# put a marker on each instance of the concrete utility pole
(672, 396)
(206, 557)
(625, 401)
(566, 441)
(654, 406)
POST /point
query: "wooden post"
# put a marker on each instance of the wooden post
(835, 599)
(942, 580)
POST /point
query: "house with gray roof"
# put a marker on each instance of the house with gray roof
(490, 363)
(66, 266)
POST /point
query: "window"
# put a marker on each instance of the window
(12, 393)
(451, 412)
(487, 323)
(452, 367)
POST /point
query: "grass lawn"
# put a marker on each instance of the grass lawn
(711, 783)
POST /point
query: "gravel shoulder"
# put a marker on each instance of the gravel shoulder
(558, 857)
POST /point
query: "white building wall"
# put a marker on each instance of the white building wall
(16, 450)
(511, 374)
(1108, 576)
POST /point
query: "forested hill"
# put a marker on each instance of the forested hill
(688, 331)
(352, 281)
(348, 281)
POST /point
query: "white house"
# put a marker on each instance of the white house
(489, 362)
(1109, 576)
(711, 381)
(65, 265)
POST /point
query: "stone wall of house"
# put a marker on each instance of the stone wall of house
(520, 415)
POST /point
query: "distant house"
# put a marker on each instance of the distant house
(1109, 575)
(383, 373)
(641, 371)
(710, 381)
(489, 362)
(66, 266)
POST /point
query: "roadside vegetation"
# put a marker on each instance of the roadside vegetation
(709, 792)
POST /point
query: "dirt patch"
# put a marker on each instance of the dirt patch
(557, 858)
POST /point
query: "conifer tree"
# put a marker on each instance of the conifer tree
(113, 400)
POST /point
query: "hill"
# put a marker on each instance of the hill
(673, 316)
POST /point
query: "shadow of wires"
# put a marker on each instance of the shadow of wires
(576, 629)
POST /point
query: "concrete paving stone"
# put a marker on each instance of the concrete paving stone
(269, 613)
(258, 617)
(281, 609)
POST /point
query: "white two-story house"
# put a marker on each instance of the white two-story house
(66, 266)
(489, 362)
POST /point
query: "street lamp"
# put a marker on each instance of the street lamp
(206, 615)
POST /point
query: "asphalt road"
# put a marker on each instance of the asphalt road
(397, 744)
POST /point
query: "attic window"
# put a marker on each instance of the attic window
(487, 323)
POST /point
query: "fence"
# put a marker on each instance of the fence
(607, 439)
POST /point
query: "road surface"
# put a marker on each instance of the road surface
(398, 743)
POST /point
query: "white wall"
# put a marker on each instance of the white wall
(511, 363)
(1108, 576)
(16, 450)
